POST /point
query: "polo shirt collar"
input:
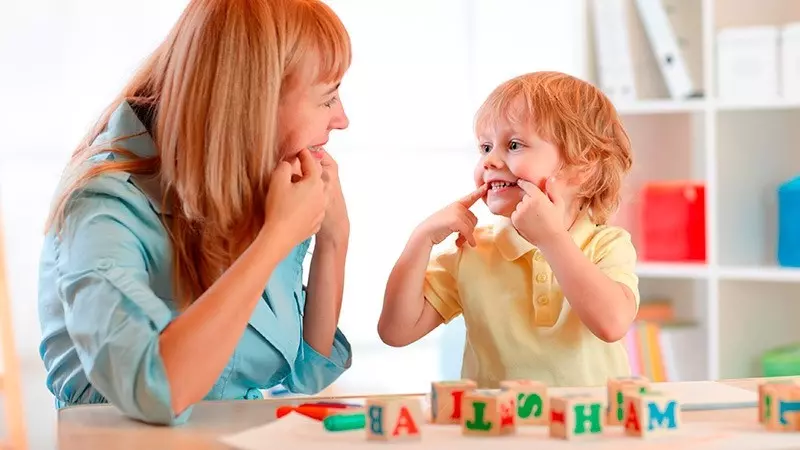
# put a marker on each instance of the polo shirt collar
(512, 245)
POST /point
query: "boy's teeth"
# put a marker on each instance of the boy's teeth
(501, 184)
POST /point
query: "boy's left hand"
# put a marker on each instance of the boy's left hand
(336, 225)
(539, 216)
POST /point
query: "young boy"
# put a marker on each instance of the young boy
(548, 291)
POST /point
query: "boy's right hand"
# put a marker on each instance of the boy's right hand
(455, 218)
(294, 210)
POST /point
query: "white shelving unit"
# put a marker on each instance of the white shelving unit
(742, 302)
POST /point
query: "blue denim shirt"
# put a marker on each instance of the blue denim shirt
(105, 295)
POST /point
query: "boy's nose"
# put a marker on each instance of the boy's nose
(493, 160)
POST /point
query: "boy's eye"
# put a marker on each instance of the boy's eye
(486, 148)
(514, 145)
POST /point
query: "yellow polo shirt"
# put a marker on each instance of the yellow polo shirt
(519, 325)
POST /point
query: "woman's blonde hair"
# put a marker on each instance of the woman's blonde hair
(579, 120)
(213, 88)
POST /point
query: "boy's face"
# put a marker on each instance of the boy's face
(510, 152)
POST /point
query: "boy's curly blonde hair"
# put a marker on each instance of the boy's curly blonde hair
(579, 120)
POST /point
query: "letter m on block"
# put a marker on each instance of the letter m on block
(656, 416)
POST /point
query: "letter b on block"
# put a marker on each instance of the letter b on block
(376, 419)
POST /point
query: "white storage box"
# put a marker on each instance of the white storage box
(747, 63)
(790, 61)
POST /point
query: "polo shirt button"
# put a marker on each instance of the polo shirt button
(541, 277)
(543, 300)
(538, 256)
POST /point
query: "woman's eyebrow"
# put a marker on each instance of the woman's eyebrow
(332, 90)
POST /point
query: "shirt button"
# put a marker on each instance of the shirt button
(541, 277)
(538, 256)
(543, 300)
(104, 264)
(253, 394)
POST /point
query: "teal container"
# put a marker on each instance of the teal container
(789, 223)
(781, 361)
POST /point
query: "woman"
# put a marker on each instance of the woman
(201, 185)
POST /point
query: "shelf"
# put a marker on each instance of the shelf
(672, 270)
(666, 106)
(761, 273)
(776, 105)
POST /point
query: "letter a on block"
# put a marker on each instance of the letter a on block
(631, 419)
(394, 418)
(405, 423)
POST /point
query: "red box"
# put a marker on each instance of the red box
(673, 222)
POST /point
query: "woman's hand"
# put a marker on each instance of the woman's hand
(295, 210)
(335, 227)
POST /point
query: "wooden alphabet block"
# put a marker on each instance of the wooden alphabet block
(446, 397)
(393, 418)
(532, 401)
(615, 396)
(650, 414)
(780, 406)
(577, 416)
(766, 393)
(489, 412)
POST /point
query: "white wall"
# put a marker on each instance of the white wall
(420, 69)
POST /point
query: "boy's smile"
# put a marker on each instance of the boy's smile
(510, 152)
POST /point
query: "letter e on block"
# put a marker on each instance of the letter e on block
(489, 412)
(446, 398)
(393, 418)
(577, 416)
(533, 405)
(651, 414)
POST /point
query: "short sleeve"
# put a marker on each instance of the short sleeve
(616, 257)
(441, 283)
(111, 314)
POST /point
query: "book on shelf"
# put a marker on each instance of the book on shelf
(654, 342)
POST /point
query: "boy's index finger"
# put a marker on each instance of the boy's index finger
(474, 196)
(528, 187)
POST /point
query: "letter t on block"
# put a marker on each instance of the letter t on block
(782, 407)
(394, 418)
(446, 398)
(616, 389)
(489, 412)
(577, 416)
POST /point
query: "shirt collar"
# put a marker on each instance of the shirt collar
(125, 130)
(512, 245)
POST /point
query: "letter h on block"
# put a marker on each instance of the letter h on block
(446, 398)
(532, 401)
(395, 418)
(577, 416)
(650, 413)
(490, 412)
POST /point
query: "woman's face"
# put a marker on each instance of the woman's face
(307, 115)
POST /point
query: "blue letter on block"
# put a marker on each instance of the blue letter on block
(786, 407)
(667, 414)
(376, 419)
